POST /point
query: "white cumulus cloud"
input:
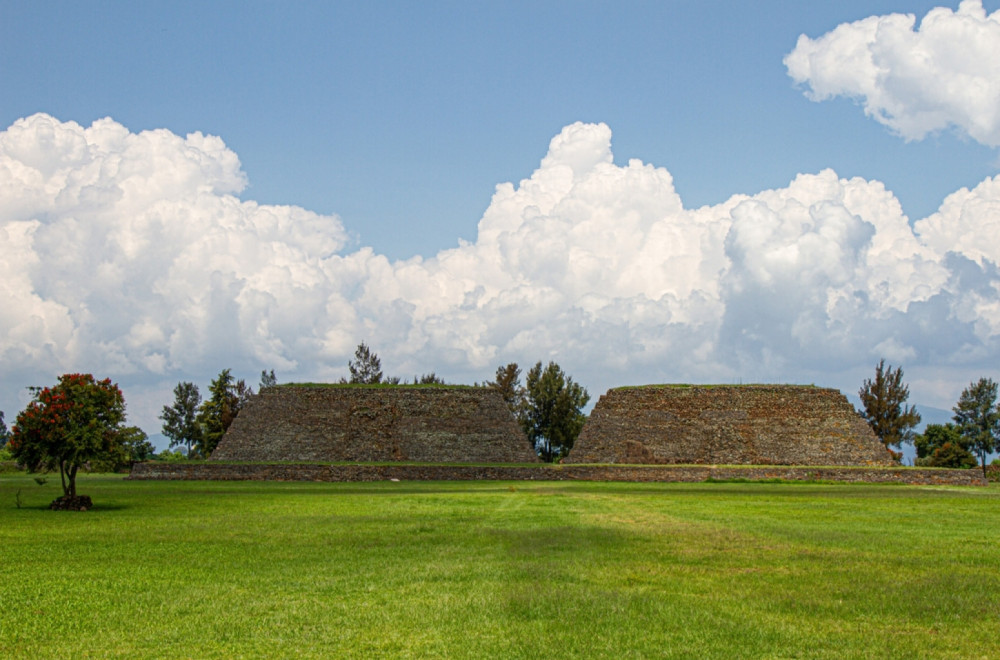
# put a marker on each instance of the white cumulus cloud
(915, 80)
(132, 251)
(131, 255)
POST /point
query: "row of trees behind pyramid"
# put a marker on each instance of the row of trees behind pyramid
(197, 426)
(81, 421)
(548, 406)
(974, 431)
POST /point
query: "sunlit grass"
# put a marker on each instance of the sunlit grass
(499, 569)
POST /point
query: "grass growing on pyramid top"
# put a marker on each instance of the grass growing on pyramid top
(682, 386)
(376, 386)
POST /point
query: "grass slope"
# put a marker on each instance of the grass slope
(708, 386)
(490, 569)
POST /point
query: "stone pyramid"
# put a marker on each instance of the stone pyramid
(727, 425)
(357, 423)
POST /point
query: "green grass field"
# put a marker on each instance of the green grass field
(497, 570)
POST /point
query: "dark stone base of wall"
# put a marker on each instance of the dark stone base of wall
(642, 473)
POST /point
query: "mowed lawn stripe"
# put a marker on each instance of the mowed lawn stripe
(499, 569)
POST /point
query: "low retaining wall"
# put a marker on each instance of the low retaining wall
(635, 473)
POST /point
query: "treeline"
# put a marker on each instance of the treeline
(195, 427)
(366, 369)
(198, 425)
(81, 421)
(973, 432)
(548, 406)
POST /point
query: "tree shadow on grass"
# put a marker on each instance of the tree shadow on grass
(97, 508)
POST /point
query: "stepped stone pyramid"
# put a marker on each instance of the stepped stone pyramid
(357, 423)
(727, 425)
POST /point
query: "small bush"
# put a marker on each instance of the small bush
(168, 456)
(7, 462)
(949, 455)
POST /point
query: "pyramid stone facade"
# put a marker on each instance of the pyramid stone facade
(727, 425)
(375, 423)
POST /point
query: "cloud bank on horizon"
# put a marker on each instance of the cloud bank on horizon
(133, 255)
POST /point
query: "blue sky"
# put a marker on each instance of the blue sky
(402, 117)
(390, 126)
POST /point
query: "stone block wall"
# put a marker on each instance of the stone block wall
(727, 425)
(372, 423)
(218, 471)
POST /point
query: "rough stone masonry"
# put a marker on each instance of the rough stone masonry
(428, 424)
(727, 425)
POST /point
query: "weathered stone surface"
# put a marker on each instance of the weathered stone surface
(727, 425)
(334, 423)
(628, 473)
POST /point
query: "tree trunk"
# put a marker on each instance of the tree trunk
(72, 480)
(62, 476)
(547, 451)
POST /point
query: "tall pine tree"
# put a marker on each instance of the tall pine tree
(883, 400)
(217, 412)
(978, 418)
(365, 368)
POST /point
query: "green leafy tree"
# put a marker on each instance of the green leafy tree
(75, 421)
(978, 418)
(217, 412)
(428, 379)
(553, 416)
(883, 400)
(508, 382)
(243, 394)
(135, 448)
(5, 453)
(936, 436)
(942, 445)
(138, 448)
(180, 421)
(267, 379)
(951, 455)
(169, 456)
(365, 368)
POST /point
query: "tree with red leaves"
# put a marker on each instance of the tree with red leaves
(79, 419)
